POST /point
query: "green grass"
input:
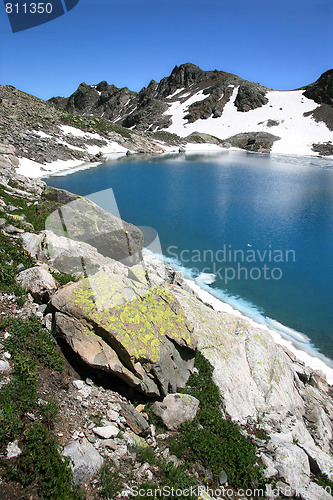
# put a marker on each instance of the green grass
(11, 255)
(109, 480)
(34, 214)
(31, 338)
(40, 463)
(63, 278)
(178, 478)
(167, 137)
(213, 440)
(324, 481)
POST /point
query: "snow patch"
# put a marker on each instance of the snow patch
(296, 131)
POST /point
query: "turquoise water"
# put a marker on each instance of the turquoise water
(273, 211)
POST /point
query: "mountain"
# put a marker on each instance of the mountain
(220, 104)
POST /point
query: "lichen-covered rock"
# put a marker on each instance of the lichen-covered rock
(122, 326)
(38, 281)
(175, 409)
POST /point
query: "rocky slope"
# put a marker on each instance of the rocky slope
(219, 104)
(132, 329)
(41, 136)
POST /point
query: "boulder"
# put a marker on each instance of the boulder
(175, 409)
(85, 459)
(82, 220)
(38, 281)
(123, 327)
(320, 462)
(66, 255)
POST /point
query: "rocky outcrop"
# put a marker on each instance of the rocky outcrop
(250, 96)
(321, 91)
(260, 142)
(147, 110)
(125, 328)
(101, 100)
(81, 237)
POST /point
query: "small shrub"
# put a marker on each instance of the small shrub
(41, 464)
(110, 480)
(29, 336)
(18, 397)
(63, 279)
(11, 255)
(49, 411)
(324, 481)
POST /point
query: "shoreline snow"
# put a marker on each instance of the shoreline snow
(316, 363)
(313, 362)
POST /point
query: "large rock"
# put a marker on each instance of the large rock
(292, 464)
(82, 220)
(38, 281)
(85, 459)
(175, 409)
(66, 255)
(123, 327)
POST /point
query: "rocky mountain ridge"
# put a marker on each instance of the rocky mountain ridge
(205, 96)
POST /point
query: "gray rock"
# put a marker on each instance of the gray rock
(106, 432)
(135, 420)
(85, 459)
(13, 450)
(292, 464)
(315, 492)
(38, 281)
(320, 462)
(176, 409)
(9, 229)
(4, 366)
(66, 255)
(86, 222)
(223, 478)
(113, 415)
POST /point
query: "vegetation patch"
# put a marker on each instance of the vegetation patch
(11, 255)
(172, 477)
(40, 463)
(213, 440)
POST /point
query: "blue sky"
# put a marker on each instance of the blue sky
(283, 44)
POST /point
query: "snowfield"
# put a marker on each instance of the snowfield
(297, 132)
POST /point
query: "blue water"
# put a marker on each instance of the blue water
(236, 201)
